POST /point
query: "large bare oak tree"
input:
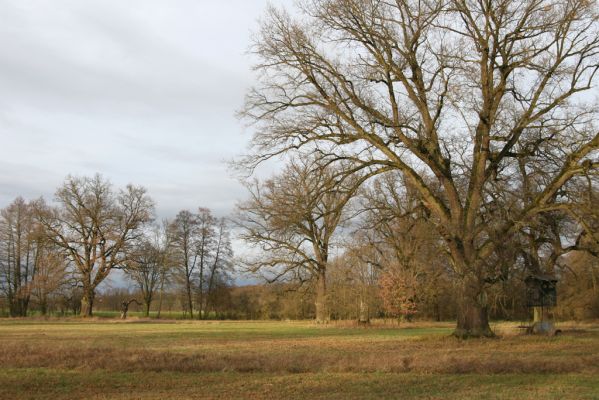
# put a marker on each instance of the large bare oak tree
(95, 227)
(455, 94)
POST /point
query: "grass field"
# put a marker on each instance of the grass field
(102, 359)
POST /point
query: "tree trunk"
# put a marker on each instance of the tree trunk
(125, 307)
(322, 315)
(12, 306)
(87, 302)
(363, 312)
(147, 311)
(473, 313)
(201, 292)
(44, 306)
(189, 299)
(160, 299)
(24, 306)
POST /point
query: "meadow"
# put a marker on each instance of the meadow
(141, 359)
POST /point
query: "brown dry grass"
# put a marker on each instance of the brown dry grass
(100, 359)
(192, 348)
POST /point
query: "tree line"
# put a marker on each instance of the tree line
(331, 248)
(373, 250)
(65, 251)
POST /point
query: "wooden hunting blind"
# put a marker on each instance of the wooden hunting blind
(541, 291)
(541, 295)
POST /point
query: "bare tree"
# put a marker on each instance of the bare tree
(292, 219)
(221, 263)
(454, 94)
(20, 250)
(149, 263)
(168, 263)
(95, 227)
(184, 234)
(205, 248)
(125, 307)
(398, 236)
(51, 275)
(353, 282)
(202, 249)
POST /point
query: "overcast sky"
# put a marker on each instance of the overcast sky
(142, 92)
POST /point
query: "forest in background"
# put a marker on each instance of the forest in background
(387, 262)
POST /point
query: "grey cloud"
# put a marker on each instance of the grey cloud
(140, 91)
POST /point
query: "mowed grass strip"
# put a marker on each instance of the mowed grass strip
(43, 384)
(50, 359)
